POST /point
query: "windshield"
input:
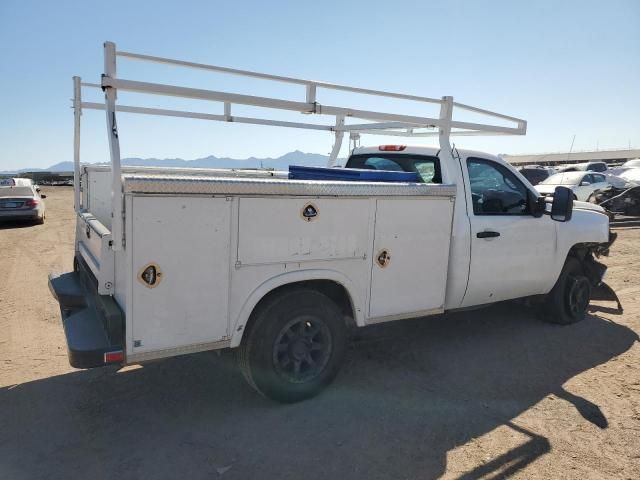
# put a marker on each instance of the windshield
(567, 178)
(16, 192)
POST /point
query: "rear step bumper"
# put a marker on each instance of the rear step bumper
(93, 324)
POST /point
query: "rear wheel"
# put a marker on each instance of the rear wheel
(294, 345)
(569, 299)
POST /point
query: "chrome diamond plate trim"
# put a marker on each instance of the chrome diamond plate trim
(160, 184)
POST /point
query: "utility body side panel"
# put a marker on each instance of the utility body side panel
(214, 256)
(275, 230)
(187, 240)
(410, 257)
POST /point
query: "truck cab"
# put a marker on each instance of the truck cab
(502, 246)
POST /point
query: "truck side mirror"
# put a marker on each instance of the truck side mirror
(562, 206)
(585, 184)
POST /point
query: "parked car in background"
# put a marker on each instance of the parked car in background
(21, 200)
(585, 167)
(635, 163)
(631, 175)
(535, 175)
(581, 183)
(596, 167)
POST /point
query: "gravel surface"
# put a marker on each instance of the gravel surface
(482, 394)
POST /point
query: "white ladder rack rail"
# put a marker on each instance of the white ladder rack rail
(379, 123)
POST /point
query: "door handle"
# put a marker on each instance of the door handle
(487, 234)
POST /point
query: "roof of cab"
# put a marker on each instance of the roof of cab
(422, 150)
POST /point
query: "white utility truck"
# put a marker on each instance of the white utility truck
(176, 261)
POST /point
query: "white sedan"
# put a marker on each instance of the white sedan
(583, 183)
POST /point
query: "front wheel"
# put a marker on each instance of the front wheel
(294, 345)
(569, 299)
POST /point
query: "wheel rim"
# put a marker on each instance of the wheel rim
(578, 298)
(302, 349)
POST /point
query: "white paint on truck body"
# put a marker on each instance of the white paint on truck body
(220, 253)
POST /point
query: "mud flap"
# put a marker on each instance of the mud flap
(605, 292)
(595, 272)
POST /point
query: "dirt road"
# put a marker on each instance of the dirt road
(483, 394)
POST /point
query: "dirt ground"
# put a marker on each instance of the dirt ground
(484, 394)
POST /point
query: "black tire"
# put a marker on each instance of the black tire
(568, 300)
(294, 346)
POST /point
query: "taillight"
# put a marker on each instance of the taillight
(114, 357)
(391, 148)
(31, 203)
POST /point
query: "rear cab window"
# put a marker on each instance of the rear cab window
(427, 167)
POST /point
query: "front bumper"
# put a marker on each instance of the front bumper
(93, 324)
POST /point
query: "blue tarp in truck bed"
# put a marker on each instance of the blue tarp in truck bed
(350, 174)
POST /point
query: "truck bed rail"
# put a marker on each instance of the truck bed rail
(137, 183)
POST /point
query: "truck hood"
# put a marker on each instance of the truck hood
(588, 206)
(545, 189)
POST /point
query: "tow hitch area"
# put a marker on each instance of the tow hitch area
(93, 324)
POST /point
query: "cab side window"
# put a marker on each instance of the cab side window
(597, 178)
(495, 190)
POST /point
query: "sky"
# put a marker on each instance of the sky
(570, 68)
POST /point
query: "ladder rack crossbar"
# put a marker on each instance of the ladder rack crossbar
(277, 78)
(289, 105)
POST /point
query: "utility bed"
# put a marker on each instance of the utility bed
(198, 246)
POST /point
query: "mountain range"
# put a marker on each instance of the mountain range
(280, 163)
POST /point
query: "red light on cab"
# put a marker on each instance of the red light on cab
(391, 148)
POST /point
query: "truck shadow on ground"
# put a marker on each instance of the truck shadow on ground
(409, 393)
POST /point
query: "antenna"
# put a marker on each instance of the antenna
(571, 148)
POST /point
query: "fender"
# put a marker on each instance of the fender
(292, 277)
(585, 227)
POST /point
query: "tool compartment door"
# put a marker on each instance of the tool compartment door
(184, 301)
(410, 256)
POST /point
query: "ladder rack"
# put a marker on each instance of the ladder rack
(376, 122)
